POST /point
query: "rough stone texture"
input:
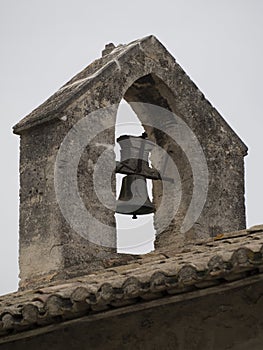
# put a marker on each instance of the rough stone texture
(142, 71)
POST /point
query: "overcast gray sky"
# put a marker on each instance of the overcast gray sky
(44, 43)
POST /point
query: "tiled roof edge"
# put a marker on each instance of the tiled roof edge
(136, 283)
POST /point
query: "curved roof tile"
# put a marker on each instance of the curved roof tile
(219, 260)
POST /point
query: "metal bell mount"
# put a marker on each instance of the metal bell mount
(134, 199)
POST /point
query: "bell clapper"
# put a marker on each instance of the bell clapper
(134, 216)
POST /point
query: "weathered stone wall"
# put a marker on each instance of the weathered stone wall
(224, 210)
(39, 241)
(227, 320)
(144, 72)
(49, 247)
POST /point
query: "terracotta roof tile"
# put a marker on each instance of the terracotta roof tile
(219, 260)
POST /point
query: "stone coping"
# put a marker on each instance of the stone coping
(75, 87)
(55, 105)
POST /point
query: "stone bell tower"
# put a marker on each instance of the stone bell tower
(67, 164)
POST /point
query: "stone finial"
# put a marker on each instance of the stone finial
(108, 48)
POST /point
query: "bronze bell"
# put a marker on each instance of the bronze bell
(133, 199)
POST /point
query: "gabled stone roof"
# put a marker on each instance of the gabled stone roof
(75, 87)
(150, 47)
(217, 261)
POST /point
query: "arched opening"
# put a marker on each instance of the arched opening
(157, 110)
(133, 236)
